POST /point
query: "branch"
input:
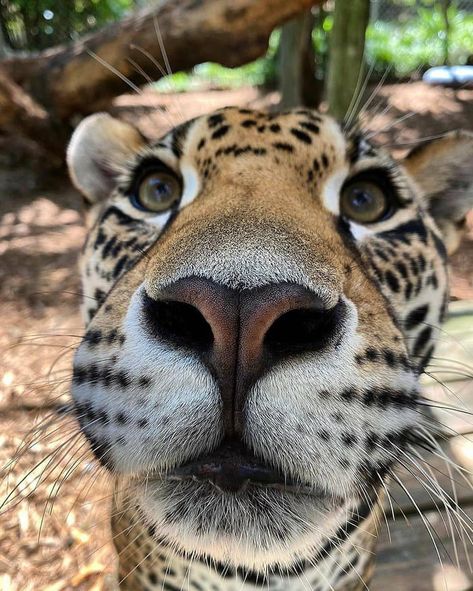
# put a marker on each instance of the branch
(19, 113)
(68, 81)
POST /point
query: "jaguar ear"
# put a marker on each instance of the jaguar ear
(443, 169)
(98, 149)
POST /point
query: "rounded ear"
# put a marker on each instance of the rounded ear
(99, 148)
(443, 169)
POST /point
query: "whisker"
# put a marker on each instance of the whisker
(391, 125)
(376, 90)
(355, 95)
(140, 70)
(360, 95)
(114, 71)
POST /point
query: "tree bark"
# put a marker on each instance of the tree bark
(312, 87)
(297, 81)
(3, 45)
(19, 113)
(347, 45)
(74, 80)
(446, 40)
(294, 35)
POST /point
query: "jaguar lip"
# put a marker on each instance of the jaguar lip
(232, 467)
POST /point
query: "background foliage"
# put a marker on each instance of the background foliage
(38, 24)
(404, 36)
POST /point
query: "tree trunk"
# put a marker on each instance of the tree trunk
(294, 36)
(3, 45)
(312, 87)
(446, 39)
(347, 45)
(297, 81)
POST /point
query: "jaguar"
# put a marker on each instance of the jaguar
(261, 295)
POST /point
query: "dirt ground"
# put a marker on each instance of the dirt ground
(53, 527)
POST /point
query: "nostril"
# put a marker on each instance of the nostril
(180, 323)
(304, 330)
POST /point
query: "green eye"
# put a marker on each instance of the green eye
(364, 202)
(158, 192)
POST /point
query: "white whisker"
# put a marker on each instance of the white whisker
(114, 71)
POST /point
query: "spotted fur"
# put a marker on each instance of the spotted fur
(260, 205)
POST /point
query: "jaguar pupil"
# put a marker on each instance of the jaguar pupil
(161, 188)
(362, 199)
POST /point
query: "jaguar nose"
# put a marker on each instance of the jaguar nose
(240, 334)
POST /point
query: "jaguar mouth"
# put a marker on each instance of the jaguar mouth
(232, 467)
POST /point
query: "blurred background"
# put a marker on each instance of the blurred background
(156, 64)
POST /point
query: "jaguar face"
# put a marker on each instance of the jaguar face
(261, 293)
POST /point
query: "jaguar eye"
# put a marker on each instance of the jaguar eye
(158, 191)
(364, 202)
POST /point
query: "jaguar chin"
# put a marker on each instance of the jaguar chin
(231, 508)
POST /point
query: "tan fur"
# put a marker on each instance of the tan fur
(260, 206)
(442, 168)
